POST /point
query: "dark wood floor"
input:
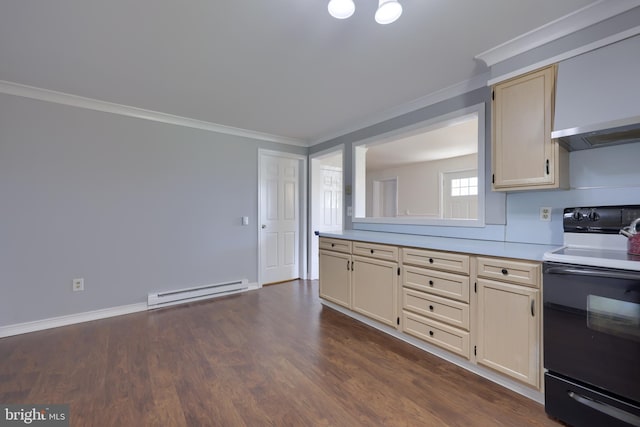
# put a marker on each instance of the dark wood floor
(269, 357)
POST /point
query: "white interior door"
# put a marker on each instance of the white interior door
(460, 194)
(280, 219)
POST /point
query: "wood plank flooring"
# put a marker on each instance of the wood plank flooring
(272, 357)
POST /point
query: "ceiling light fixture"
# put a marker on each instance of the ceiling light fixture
(388, 10)
(341, 9)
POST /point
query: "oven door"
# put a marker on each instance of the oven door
(592, 326)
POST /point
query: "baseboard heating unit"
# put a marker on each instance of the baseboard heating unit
(181, 296)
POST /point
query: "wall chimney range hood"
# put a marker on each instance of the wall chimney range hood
(599, 135)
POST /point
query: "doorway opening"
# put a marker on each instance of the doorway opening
(326, 200)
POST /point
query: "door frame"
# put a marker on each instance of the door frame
(302, 209)
(324, 153)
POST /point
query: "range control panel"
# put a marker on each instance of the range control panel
(600, 219)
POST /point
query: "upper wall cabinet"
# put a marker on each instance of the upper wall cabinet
(524, 155)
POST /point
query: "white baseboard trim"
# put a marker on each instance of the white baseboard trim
(55, 322)
(87, 316)
(443, 354)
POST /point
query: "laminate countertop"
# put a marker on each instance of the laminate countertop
(528, 251)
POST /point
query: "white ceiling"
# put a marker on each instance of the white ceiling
(282, 67)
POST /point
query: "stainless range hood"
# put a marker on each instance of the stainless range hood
(599, 135)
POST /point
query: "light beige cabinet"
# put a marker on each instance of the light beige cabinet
(335, 271)
(524, 155)
(375, 289)
(335, 277)
(361, 276)
(508, 330)
(435, 298)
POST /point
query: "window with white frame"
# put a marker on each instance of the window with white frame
(464, 186)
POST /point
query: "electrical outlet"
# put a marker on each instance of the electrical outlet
(545, 214)
(349, 211)
(78, 285)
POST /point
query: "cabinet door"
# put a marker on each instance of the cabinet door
(374, 289)
(508, 330)
(524, 156)
(335, 277)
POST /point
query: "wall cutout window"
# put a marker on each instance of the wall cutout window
(426, 174)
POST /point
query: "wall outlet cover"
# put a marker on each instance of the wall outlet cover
(78, 285)
(545, 214)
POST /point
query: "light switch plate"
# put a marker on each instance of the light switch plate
(349, 211)
(245, 220)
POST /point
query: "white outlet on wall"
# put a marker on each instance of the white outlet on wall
(78, 285)
(545, 214)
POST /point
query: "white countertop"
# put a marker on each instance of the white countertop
(526, 251)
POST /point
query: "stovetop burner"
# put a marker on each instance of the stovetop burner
(591, 237)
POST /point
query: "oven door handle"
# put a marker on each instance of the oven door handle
(593, 273)
(612, 411)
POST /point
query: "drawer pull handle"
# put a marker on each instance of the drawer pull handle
(431, 333)
(431, 307)
(371, 250)
(430, 260)
(348, 262)
(430, 282)
(505, 271)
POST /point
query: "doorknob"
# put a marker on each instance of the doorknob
(264, 226)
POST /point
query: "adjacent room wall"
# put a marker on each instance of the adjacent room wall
(419, 189)
(132, 206)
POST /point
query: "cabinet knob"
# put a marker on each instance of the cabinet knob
(430, 333)
(430, 260)
(505, 271)
(333, 245)
(430, 282)
(371, 250)
(431, 307)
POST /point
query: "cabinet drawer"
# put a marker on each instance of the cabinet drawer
(522, 272)
(373, 250)
(337, 245)
(445, 310)
(445, 261)
(437, 283)
(447, 337)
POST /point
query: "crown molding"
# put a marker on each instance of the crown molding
(16, 89)
(440, 95)
(581, 18)
(567, 55)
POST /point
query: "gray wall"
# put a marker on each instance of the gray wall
(130, 205)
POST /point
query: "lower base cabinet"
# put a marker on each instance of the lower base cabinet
(374, 289)
(335, 277)
(508, 330)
